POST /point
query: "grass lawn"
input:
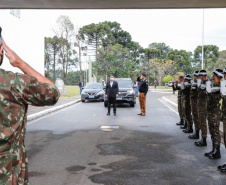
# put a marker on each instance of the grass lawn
(72, 91)
(163, 87)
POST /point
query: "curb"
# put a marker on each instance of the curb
(47, 111)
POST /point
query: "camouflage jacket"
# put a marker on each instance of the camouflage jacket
(193, 93)
(202, 93)
(186, 93)
(17, 91)
(213, 104)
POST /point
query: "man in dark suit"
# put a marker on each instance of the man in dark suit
(111, 92)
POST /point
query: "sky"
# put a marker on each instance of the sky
(178, 28)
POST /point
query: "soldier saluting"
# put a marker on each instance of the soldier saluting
(214, 113)
(17, 92)
(177, 86)
(222, 168)
(143, 89)
(202, 105)
(194, 110)
(186, 104)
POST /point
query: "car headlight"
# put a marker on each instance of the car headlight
(83, 92)
(130, 92)
(100, 93)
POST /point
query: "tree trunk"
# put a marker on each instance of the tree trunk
(80, 59)
(54, 65)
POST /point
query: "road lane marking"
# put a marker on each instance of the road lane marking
(61, 110)
(167, 106)
(167, 100)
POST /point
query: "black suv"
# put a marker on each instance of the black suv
(126, 93)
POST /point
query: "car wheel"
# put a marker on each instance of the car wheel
(102, 100)
(132, 105)
(105, 103)
(83, 101)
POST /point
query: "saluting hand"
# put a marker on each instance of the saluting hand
(14, 59)
(116, 96)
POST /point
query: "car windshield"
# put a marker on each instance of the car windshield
(124, 83)
(94, 86)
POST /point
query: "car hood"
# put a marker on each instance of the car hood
(125, 89)
(92, 90)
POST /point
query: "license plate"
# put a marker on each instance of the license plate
(119, 98)
(91, 96)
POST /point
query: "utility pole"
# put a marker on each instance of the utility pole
(203, 39)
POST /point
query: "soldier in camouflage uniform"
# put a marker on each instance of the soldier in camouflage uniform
(202, 107)
(186, 104)
(17, 91)
(193, 100)
(176, 86)
(222, 168)
(214, 114)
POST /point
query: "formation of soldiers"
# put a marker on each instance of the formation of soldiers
(200, 102)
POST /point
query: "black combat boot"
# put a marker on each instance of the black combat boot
(184, 126)
(210, 153)
(195, 135)
(188, 130)
(216, 154)
(181, 122)
(221, 167)
(202, 142)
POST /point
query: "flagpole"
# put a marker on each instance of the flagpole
(203, 39)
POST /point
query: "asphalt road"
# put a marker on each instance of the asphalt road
(68, 148)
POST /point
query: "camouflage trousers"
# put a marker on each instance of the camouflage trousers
(224, 127)
(214, 124)
(194, 110)
(202, 115)
(214, 117)
(179, 101)
(187, 112)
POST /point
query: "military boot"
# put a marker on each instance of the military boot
(188, 130)
(216, 153)
(202, 142)
(210, 153)
(223, 169)
(181, 122)
(195, 135)
(184, 126)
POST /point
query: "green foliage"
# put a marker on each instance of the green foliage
(211, 53)
(167, 78)
(182, 59)
(162, 47)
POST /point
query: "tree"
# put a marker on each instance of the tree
(67, 55)
(220, 63)
(149, 54)
(52, 46)
(162, 67)
(182, 59)
(162, 47)
(167, 79)
(211, 53)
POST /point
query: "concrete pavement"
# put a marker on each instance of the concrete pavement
(68, 147)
